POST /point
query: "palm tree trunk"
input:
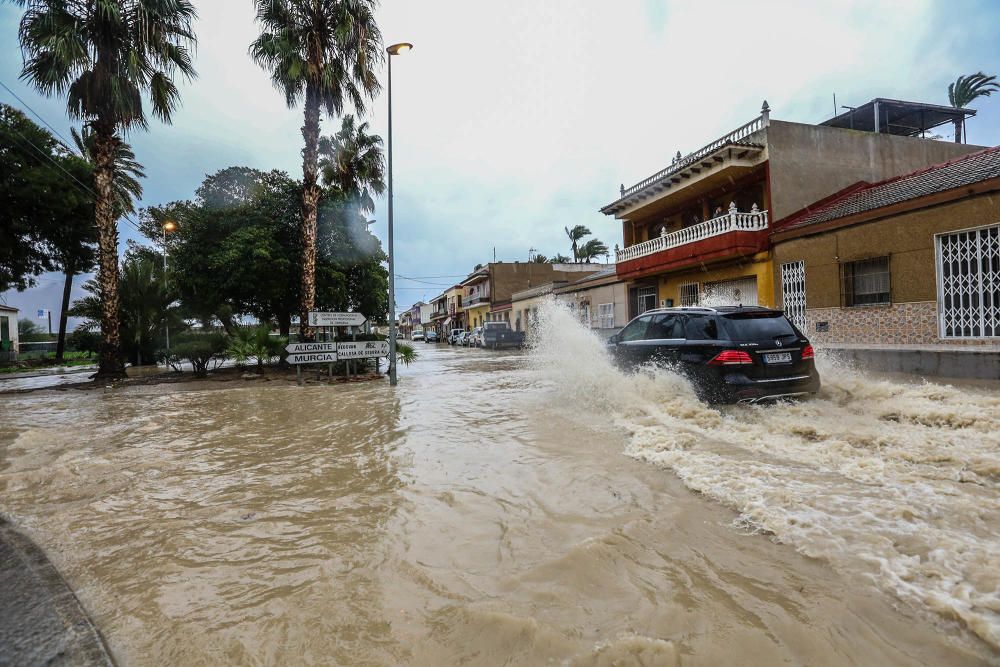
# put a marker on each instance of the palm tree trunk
(64, 308)
(958, 131)
(110, 364)
(310, 201)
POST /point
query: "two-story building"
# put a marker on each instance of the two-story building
(698, 231)
(490, 288)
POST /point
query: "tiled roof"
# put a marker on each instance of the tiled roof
(956, 173)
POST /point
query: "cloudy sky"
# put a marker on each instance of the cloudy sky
(516, 119)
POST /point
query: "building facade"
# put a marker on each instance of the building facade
(911, 264)
(698, 231)
(8, 334)
(599, 300)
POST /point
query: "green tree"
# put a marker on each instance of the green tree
(27, 328)
(540, 259)
(47, 211)
(325, 53)
(966, 90)
(102, 55)
(592, 249)
(559, 258)
(146, 305)
(575, 236)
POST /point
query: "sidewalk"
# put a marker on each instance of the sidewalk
(41, 621)
(965, 362)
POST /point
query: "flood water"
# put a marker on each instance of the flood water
(518, 508)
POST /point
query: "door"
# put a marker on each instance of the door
(701, 344)
(793, 292)
(968, 277)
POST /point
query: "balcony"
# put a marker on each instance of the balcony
(475, 300)
(728, 234)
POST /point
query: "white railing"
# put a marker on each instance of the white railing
(742, 132)
(733, 221)
(474, 299)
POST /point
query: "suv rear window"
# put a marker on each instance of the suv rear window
(757, 326)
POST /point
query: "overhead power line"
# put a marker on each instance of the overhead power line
(45, 154)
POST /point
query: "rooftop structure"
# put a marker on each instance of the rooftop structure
(908, 119)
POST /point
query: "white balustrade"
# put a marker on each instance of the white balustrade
(733, 221)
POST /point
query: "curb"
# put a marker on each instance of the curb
(41, 620)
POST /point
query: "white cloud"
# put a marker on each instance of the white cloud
(515, 119)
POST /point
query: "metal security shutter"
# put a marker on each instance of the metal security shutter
(968, 276)
(732, 292)
(793, 292)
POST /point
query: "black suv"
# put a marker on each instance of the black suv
(731, 354)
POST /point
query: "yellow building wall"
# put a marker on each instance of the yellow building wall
(476, 315)
(759, 265)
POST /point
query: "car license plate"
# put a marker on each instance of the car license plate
(778, 358)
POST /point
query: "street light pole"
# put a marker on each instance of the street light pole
(393, 50)
(168, 226)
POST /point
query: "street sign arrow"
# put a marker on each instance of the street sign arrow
(311, 347)
(363, 349)
(314, 358)
(318, 319)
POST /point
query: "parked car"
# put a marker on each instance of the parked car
(455, 333)
(499, 335)
(731, 354)
(462, 339)
(417, 334)
(430, 336)
(473, 339)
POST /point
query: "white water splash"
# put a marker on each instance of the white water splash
(899, 481)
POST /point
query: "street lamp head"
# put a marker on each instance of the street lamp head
(169, 226)
(396, 49)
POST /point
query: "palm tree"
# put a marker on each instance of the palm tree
(126, 169)
(966, 90)
(325, 52)
(352, 162)
(559, 258)
(127, 172)
(575, 235)
(593, 249)
(103, 55)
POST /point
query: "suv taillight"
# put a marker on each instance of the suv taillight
(808, 352)
(731, 358)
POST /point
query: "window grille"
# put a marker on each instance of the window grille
(793, 292)
(689, 294)
(865, 283)
(968, 281)
(606, 315)
(646, 299)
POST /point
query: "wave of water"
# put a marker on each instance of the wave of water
(895, 482)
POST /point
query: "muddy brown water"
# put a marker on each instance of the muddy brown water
(483, 514)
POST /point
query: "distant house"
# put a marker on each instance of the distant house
(600, 300)
(911, 263)
(8, 334)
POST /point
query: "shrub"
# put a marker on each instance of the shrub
(257, 342)
(200, 349)
(84, 340)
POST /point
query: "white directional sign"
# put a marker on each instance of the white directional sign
(314, 358)
(363, 349)
(311, 347)
(317, 319)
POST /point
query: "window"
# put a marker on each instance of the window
(665, 326)
(701, 327)
(645, 299)
(636, 329)
(968, 282)
(865, 282)
(606, 316)
(689, 294)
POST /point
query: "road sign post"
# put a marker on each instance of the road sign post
(318, 319)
